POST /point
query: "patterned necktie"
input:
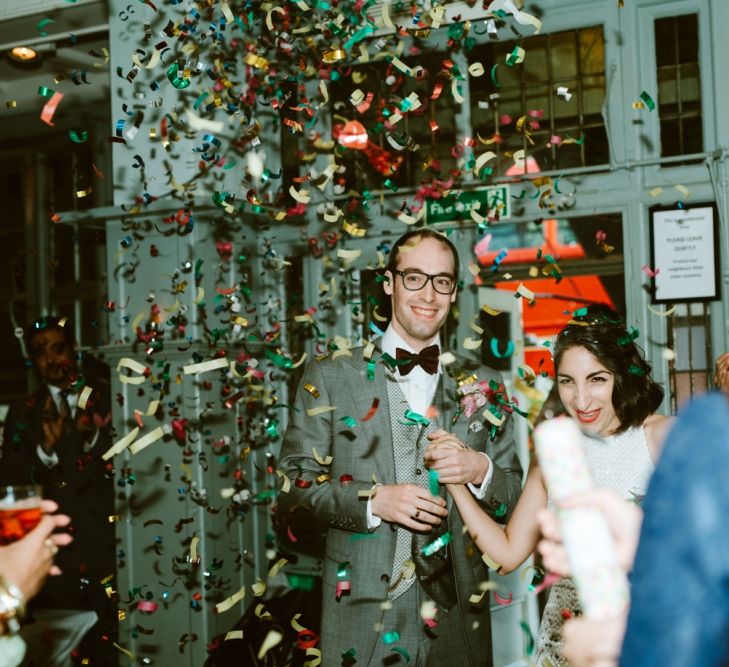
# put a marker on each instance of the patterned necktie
(64, 412)
(427, 358)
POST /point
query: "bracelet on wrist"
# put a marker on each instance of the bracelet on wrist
(12, 605)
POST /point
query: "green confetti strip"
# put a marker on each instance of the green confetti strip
(437, 545)
(433, 482)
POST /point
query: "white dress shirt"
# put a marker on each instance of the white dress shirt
(419, 387)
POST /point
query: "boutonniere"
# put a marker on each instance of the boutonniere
(490, 397)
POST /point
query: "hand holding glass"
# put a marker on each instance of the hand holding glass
(20, 511)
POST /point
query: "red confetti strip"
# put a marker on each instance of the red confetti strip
(342, 588)
(49, 108)
(651, 273)
(371, 412)
(503, 601)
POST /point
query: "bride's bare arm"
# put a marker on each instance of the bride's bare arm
(511, 545)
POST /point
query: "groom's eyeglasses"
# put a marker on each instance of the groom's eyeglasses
(443, 283)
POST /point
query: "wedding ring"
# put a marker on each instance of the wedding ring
(417, 514)
(51, 546)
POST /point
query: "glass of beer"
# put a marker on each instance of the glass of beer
(20, 511)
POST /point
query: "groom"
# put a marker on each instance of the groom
(398, 568)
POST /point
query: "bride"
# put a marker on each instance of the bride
(604, 383)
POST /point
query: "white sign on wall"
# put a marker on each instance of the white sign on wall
(683, 254)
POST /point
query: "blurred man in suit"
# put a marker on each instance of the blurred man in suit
(55, 438)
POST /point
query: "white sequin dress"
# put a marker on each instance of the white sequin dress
(622, 463)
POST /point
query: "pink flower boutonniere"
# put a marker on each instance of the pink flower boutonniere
(489, 397)
(473, 396)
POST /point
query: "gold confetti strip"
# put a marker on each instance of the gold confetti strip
(234, 634)
(407, 569)
(273, 638)
(213, 364)
(476, 69)
(662, 313)
(523, 290)
(316, 653)
(655, 192)
(483, 587)
(121, 444)
(447, 358)
(481, 161)
(492, 418)
(231, 601)
(295, 623)
(321, 461)
(302, 197)
(135, 367)
(476, 216)
(474, 327)
(193, 549)
(353, 230)
(682, 189)
(333, 56)
(491, 311)
(314, 412)
(490, 563)
(126, 652)
(259, 588)
(276, 567)
(11, 104)
(269, 20)
(456, 93)
(369, 493)
(472, 344)
(323, 478)
(409, 219)
(147, 440)
(312, 390)
(256, 61)
(84, 396)
(300, 361)
(519, 157)
(348, 255)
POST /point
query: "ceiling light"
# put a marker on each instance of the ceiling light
(23, 54)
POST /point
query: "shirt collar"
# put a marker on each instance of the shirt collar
(391, 340)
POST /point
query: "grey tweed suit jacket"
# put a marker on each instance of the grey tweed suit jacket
(365, 453)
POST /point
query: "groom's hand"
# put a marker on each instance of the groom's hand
(455, 462)
(409, 505)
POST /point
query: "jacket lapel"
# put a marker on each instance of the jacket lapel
(376, 432)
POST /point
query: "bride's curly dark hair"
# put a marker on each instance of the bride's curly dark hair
(602, 333)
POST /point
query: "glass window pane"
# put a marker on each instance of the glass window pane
(690, 82)
(563, 54)
(572, 59)
(593, 94)
(666, 48)
(592, 50)
(536, 60)
(679, 84)
(670, 137)
(667, 89)
(688, 43)
(693, 135)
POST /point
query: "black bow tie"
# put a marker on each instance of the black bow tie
(427, 358)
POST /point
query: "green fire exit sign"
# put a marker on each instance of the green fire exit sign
(492, 201)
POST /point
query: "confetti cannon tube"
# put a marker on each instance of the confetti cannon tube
(601, 583)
